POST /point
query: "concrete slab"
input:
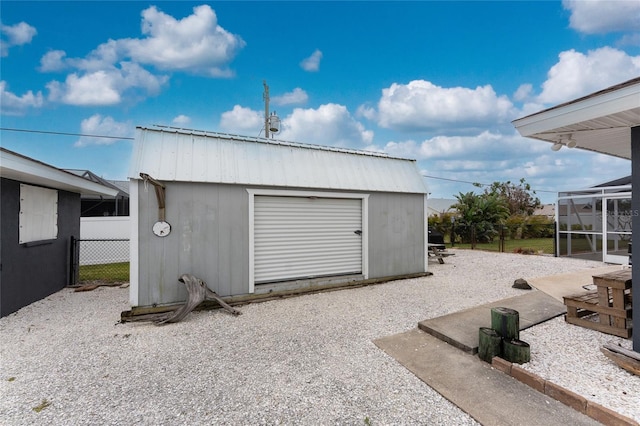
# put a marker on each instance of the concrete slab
(486, 394)
(569, 284)
(460, 329)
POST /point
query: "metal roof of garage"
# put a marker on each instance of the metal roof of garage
(171, 154)
(600, 122)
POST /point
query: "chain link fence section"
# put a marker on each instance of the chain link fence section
(99, 260)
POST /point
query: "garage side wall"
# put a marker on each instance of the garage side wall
(209, 239)
(396, 234)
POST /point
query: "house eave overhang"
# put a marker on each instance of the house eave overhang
(24, 169)
(599, 122)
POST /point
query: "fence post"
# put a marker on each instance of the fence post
(555, 239)
(473, 236)
(74, 260)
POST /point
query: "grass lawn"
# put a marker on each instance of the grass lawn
(109, 272)
(536, 245)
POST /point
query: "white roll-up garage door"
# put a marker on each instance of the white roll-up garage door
(303, 237)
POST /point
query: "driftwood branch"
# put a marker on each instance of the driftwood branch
(198, 292)
(624, 358)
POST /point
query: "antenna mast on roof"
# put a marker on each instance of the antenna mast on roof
(271, 121)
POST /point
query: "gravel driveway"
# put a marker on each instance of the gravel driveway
(303, 360)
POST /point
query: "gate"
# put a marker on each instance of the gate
(105, 260)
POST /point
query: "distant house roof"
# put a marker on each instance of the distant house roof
(121, 187)
(169, 154)
(600, 122)
(616, 182)
(548, 210)
(24, 169)
(440, 205)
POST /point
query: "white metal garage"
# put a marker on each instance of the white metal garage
(262, 217)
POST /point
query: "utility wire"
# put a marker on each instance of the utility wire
(64, 133)
(128, 138)
(478, 183)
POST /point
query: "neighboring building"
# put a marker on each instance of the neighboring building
(546, 210)
(607, 122)
(588, 217)
(438, 206)
(40, 213)
(255, 216)
(100, 205)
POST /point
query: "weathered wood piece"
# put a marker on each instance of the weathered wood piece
(489, 344)
(514, 350)
(506, 322)
(439, 252)
(212, 295)
(624, 358)
(198, 292)
(607, 309)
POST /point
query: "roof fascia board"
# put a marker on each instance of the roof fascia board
(49, 175)
(576, 112)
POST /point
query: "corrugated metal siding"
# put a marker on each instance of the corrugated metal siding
(397, 227)
(209, 238)
(171, 155)
(298, 237)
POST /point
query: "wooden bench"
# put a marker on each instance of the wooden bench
(608, 308)
(439, 252)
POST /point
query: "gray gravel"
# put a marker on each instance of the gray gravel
(302, 360)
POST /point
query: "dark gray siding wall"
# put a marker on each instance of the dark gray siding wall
(396, 234)
(32, 272)
(210, 239)
(635, 206)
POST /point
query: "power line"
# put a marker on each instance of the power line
(128, 138)
(478, 183)
(64, 133)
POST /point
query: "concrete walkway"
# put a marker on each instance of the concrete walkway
(460, 329)
(488, 395)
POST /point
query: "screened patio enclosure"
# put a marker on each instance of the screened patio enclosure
(595, 223)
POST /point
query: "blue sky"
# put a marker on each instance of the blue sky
(439, 82)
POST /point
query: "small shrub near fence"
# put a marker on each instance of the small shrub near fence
(100, 260)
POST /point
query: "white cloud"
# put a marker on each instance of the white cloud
(105, 87)
(603, 16)
(113, 71)
(244, 121)
(523, 92)
(421, 105)
(97, 125)
(312, 63)
(577, 74)
(629, 40)
(193, 44)
(181, 119)
(15, 35)
(297, 96)
(11, 104)
(477, 147)
(330, 124)
(53, 61)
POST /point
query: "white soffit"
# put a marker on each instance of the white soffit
(24, 169)
(169, 154)
(600, 122)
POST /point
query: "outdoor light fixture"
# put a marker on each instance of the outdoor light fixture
(565, 140)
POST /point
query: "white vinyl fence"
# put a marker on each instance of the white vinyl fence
(104, 240)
